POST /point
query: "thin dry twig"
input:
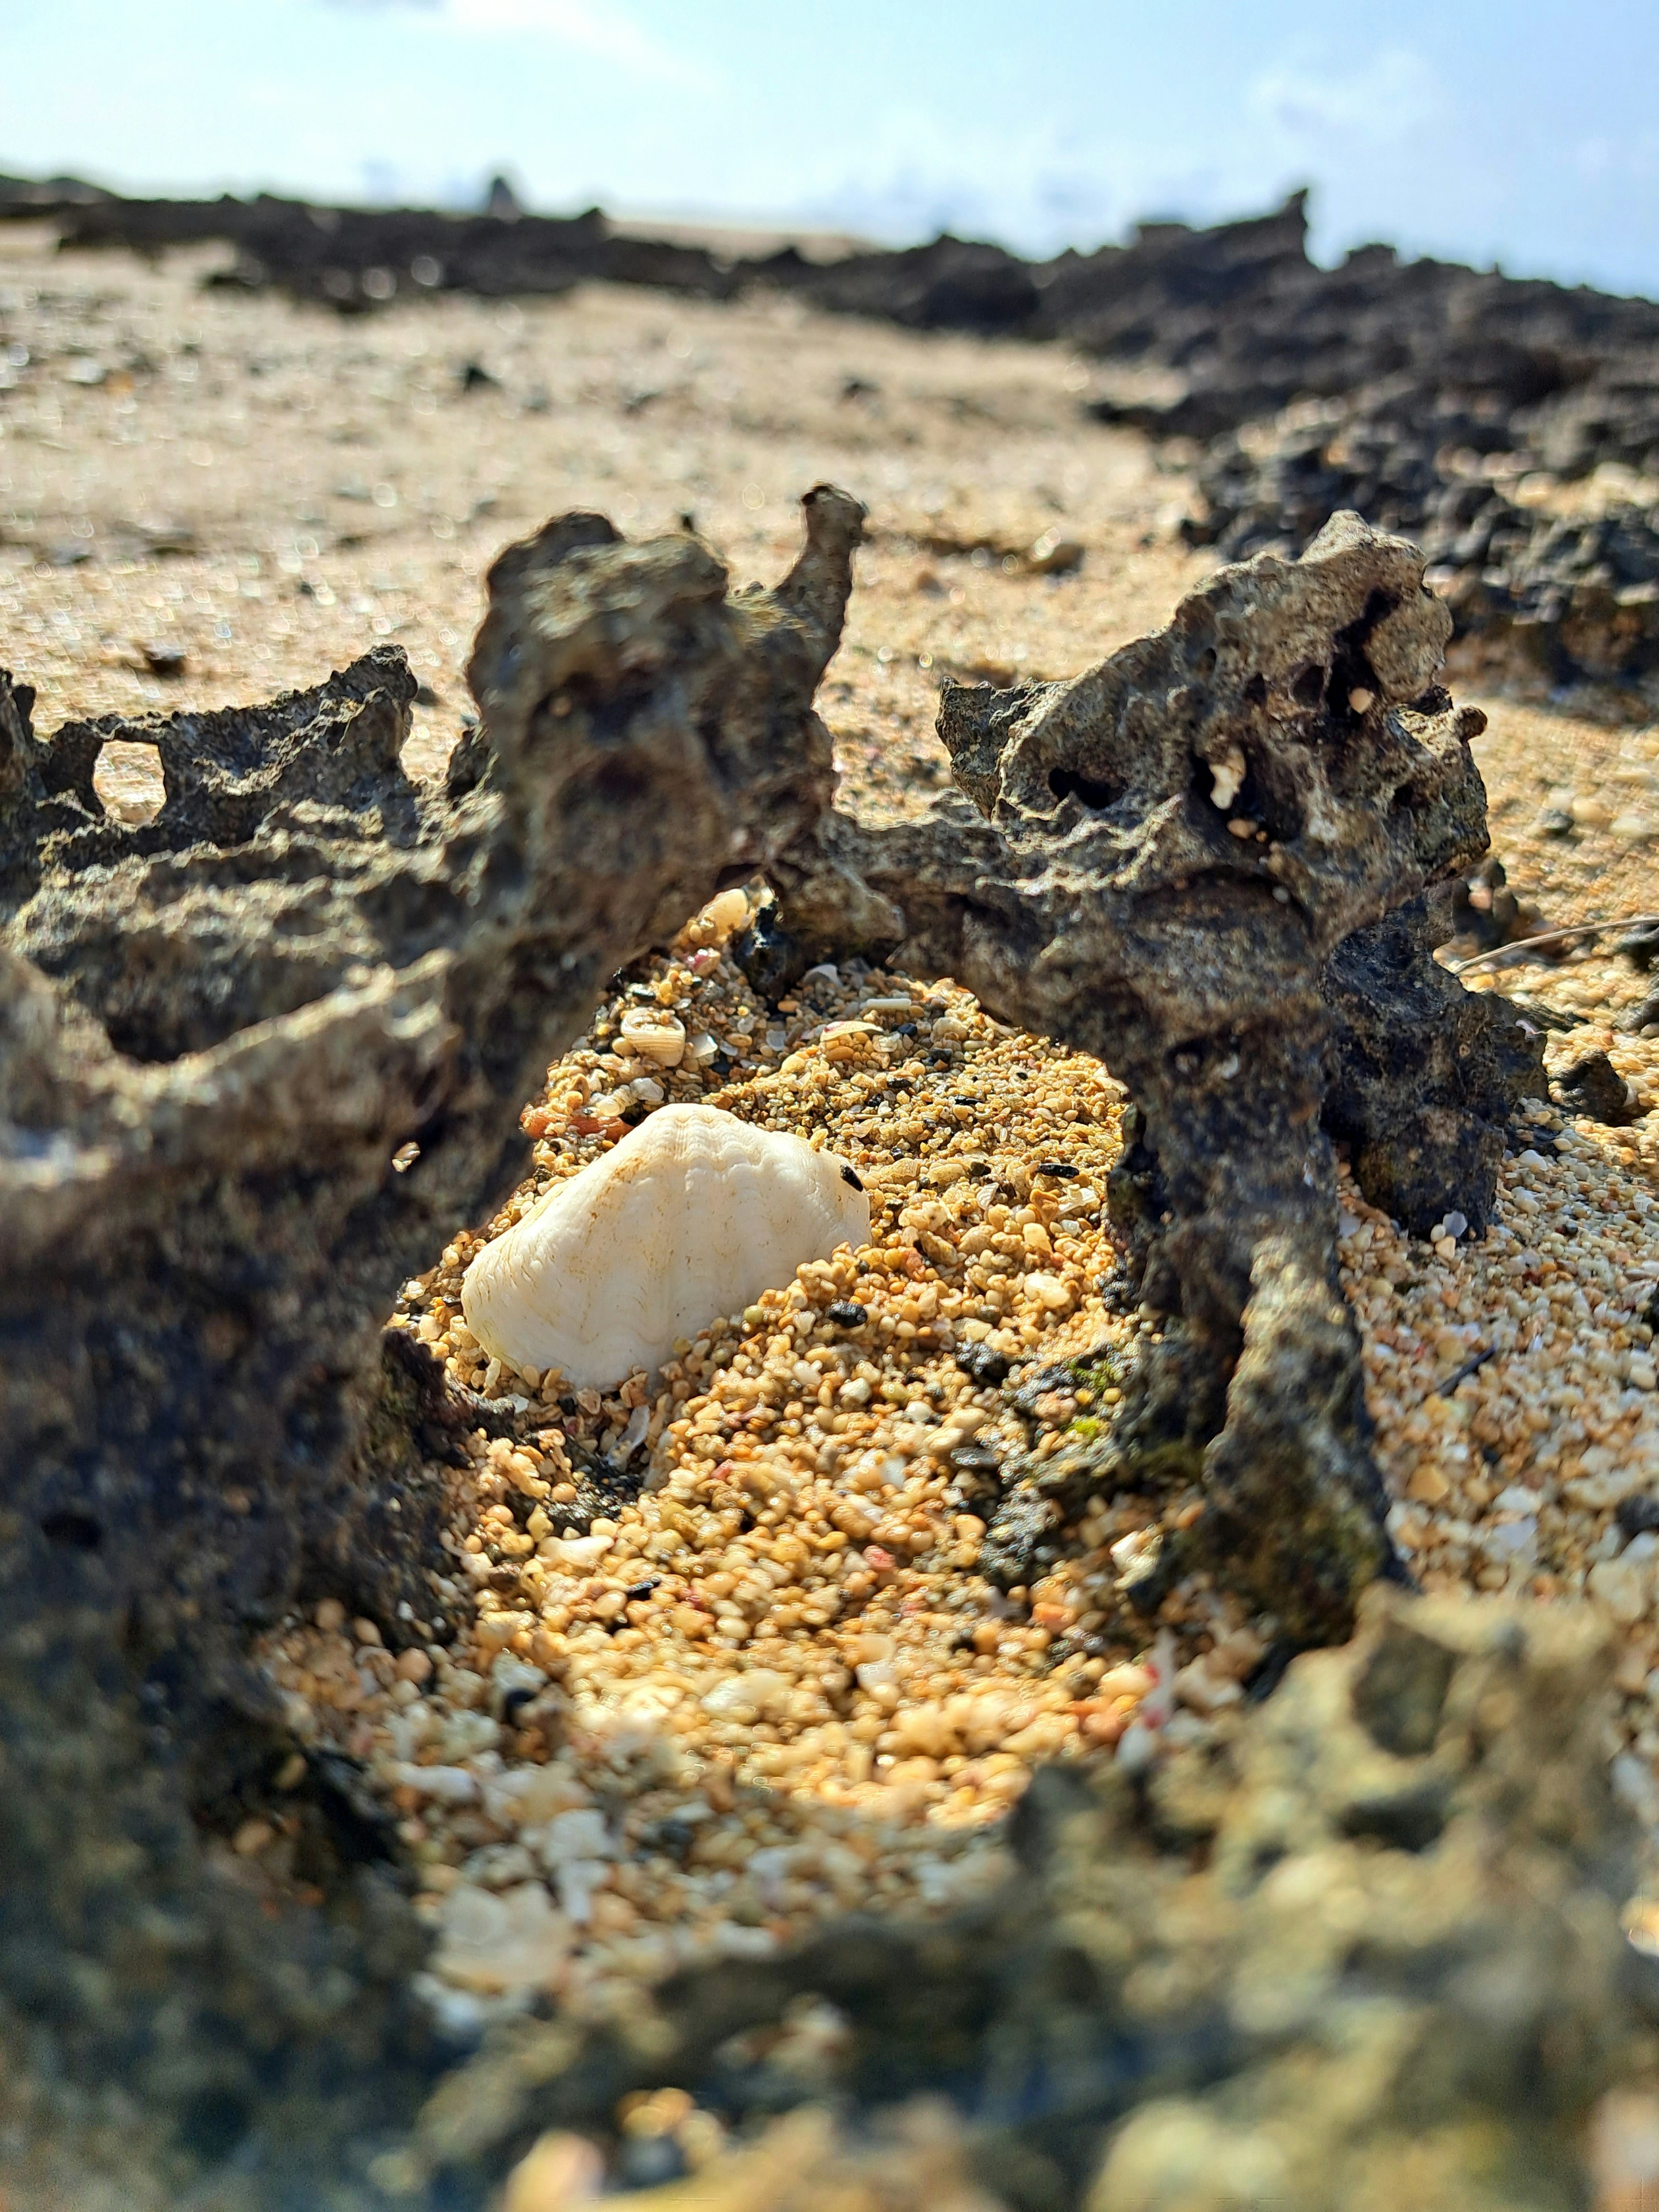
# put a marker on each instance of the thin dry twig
(1552, 937)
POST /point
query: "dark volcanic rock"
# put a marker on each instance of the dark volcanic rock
(359, 259)
(1569, 598)
(1593, 1087)
(951, 283)
(1369, 1940)
(1421, 394)
(1165, 863)
(216, 1030)
(1423, 1077)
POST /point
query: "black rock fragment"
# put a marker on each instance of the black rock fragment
(1637, 1515)
(1593, 1086)
(1485, 910)
(987, 1368)
(770, 958)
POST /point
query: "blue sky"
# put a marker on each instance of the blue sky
(1525, 133)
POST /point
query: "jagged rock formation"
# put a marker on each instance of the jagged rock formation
(223, 1031)
(1564, 597)
(1419, 394)
(219, 1033)
(1191, 861)
(1366, 1946)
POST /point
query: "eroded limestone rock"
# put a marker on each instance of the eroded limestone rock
(219, 1031)
(1173, 861)
(1423, 1076)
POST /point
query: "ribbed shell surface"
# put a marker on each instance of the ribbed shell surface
(692, 1215)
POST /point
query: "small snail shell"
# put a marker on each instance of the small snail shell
(654, 1035)
(693, 1214)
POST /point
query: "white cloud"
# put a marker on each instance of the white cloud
(1394, 95)
(605, 31)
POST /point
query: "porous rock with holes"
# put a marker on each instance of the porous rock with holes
(258, 1057)
(1189, 861)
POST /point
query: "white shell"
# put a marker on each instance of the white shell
(693, 1214)
(725, 912)
(654, 1036)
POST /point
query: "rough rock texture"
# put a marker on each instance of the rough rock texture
(1422, 1076)
(1160, 860)
(1420, 394)
(1365, 1950)
(1568, 598)
(1593, 1087)
(219, 1032)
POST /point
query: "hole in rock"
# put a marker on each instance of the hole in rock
(77, 1532)
(1068, 783)
(1309, 688)
(128, 782)
(1351, 670)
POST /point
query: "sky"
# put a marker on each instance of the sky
(1524, 135)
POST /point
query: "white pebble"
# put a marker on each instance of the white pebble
(572, 1836)
(577, 1554)
(745, 1696)
(725, 912)
(1226, 776)
(449, 1785)
(1625, 1586)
